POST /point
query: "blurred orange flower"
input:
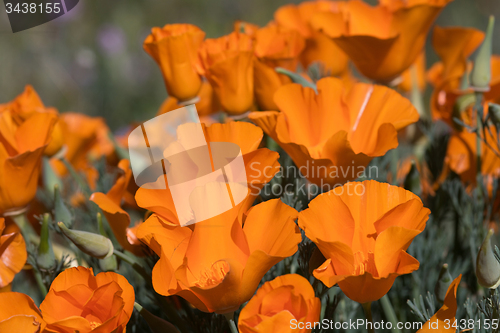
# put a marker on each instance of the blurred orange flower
(332, 135)
(382, 41)
(363, 230)
(118, 219)
(453, 45)
(86, 138)
(246, 28)
(319, 47)
(441, 320)
(78, 301)
(260, 164)
(207, 105)
(274, 47)
(462, 159)
(13, 254)
(278, 304)
(174, 47)
(26, 105)
(18, 313)
(227, 63)
(218, 264)
(25, 133)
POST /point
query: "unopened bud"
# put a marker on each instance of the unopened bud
(443, 283)
(94, 245)
(61, 211)
(157, 325)
(45, 258)
(487, 266)
(481, 73)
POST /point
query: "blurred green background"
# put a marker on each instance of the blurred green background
(91, 60)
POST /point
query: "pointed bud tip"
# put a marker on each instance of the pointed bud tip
(487, 266)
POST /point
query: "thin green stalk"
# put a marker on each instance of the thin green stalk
(132, 262)
(367, 307)
(39, 282)
(27, 230)
(389, 313)
(479, 122)
(230, 321)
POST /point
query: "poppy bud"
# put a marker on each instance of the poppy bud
(157, 325)
(487, 266)
(45, 258)
(442, 283)
(481, 73)
(61, 212)
(92, 244)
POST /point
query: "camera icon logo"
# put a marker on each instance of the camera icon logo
(171, 152)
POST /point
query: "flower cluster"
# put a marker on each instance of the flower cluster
(327, 88)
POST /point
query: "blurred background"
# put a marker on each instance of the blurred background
(91, 60)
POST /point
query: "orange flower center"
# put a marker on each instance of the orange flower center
(364, 264)
(214, 275)
(94, 324)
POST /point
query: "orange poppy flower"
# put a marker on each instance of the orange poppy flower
(218, 264)
(207, 105)
(382, 41)
(443, 319)
(363, 230)
(332, 135)
(118, 219)
(227, 63)
(174, 48)
(245, 28)
(78, 301)
(319, 47)
(260, 165)
(462, 159)
(18, 313)
(86, 138)
(453, 45)
(27, 104)
(279, 305)
(274, 47)
(13, 254)
(23, 141)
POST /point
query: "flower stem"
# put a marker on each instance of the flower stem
(135, 265)
(368, 314)
(230, 321)
(389, 313)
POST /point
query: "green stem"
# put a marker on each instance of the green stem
(230, 321)
(39, 282)
(479, 121)
(27, 230)
(135, 265)
(389, 313)
(367, 307)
